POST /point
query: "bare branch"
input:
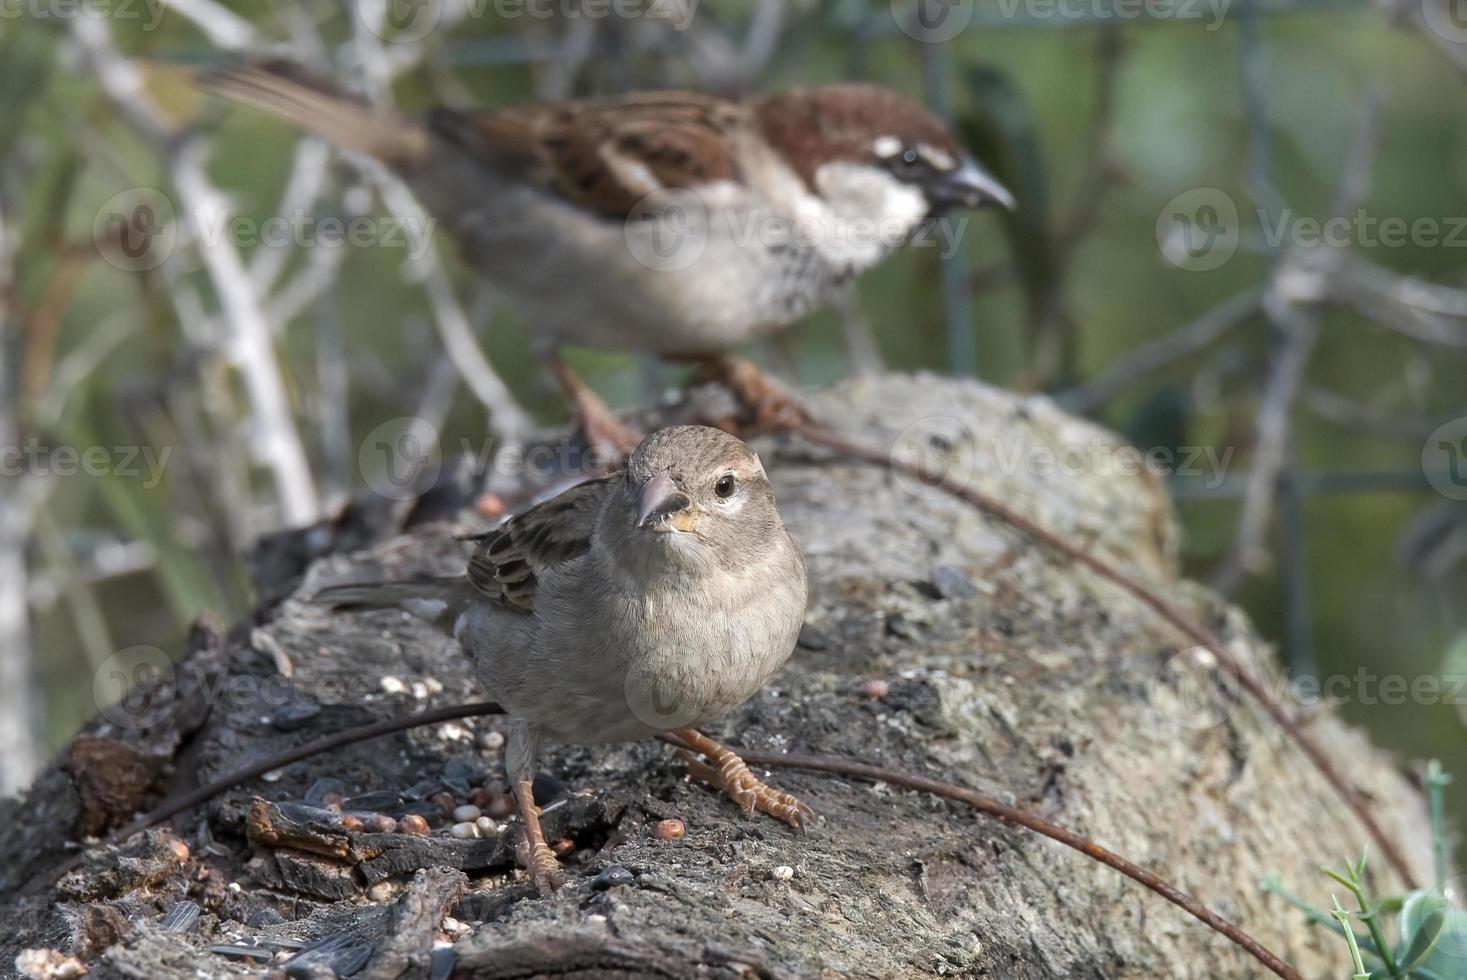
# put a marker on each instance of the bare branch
(276, 441)
(1154, 355)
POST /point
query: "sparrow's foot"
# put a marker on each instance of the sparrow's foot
(724, 770)
(609, 438)
(536, 855)
(767, 404)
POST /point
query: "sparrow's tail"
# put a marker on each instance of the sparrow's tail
(316, 104)
(439, 601)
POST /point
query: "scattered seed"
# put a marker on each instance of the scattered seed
(464, 831)
(180, 850)
(563, 847)
(380, 892)
(467, 812)
(273, 776)
(381, 823)
(669, 829)
(393, 685)
(876, 689)
(500, 807)
(413, 824)
(353, 823)
(444, 802)
(487, 827)
(783, 873)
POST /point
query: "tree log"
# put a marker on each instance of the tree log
(937, 641)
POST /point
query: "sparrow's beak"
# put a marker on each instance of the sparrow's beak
(662, 507)
(969, 186)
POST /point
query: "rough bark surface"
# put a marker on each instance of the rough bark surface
(936, 640)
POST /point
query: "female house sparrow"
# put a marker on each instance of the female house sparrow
(653, 600)
(671, 222)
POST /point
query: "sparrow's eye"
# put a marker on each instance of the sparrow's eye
(908, 165)
(725, 486)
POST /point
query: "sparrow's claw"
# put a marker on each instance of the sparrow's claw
(533, 852)
(724, 770)
(544, 867)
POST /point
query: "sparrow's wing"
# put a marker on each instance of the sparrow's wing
(605, 155)
(506, 566)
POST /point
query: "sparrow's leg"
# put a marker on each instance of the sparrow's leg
(724, 770)
(768, 405)
(607, 435)
(537, 857)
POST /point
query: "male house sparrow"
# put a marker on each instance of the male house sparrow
(672, 222)
(653, 600)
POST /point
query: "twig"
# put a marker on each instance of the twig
(17, 722)
(350, 736)
(507, 417)
(1168, 611)
(1271, 439)
(1150, 357)
(276, 440)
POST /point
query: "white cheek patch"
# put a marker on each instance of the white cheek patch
(886, 146)
(867, 213)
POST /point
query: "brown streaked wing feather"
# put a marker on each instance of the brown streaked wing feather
(606, 154)
(508, 561)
